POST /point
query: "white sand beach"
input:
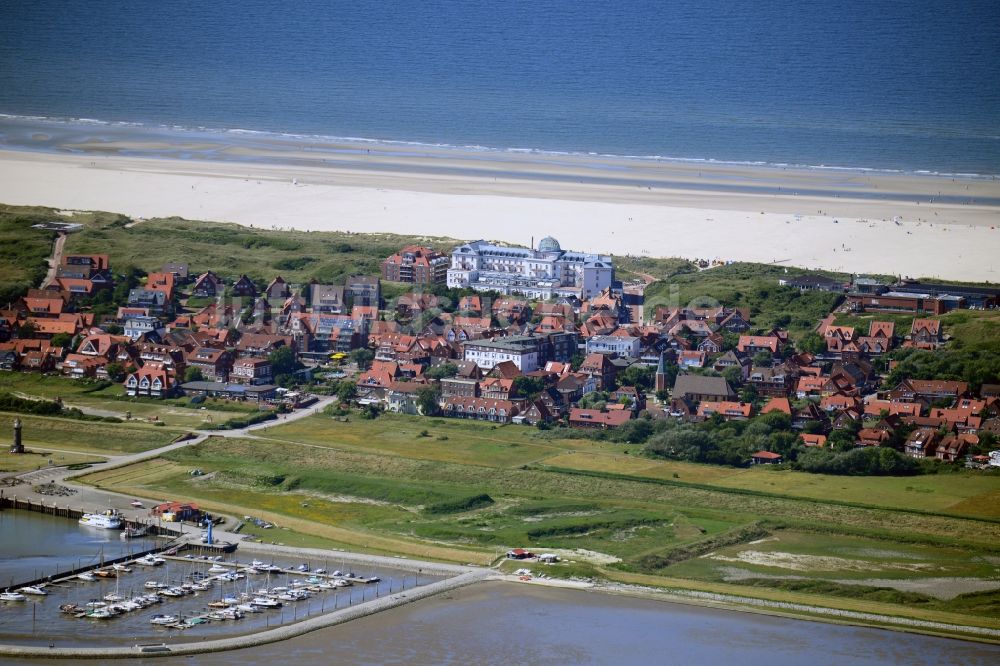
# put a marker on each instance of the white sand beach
(839, 224)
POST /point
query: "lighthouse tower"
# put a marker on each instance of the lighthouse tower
(17, 447)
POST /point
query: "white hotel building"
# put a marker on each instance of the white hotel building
(548, 272)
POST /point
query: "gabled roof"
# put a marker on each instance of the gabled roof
(778, 405)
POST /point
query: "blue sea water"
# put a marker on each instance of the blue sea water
(887, 85)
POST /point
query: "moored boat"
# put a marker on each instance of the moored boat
(33, 589)
(12, 596)
(110, 520)
(164, 620)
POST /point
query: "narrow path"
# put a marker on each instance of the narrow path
(54, 260)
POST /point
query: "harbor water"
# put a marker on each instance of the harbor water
(503, 624)
(34, 545)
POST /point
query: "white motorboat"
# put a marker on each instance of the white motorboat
(248, 608)
(113, 598)
(164, 619)
(155, 585)
(111, 519)
(121, 568)
(218, 568)
(266, 602)
(86, 576)
(33, 589)
(150, 561)
(12, 596)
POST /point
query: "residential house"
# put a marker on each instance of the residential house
(363, 290)
(136, 327)
(207, 285)
(733, 360)
(593, 418)
(691, 359)
(178, 270)
(953, 447)
(277, 290)
(770, 382)
(154, 300)
(813, 441)
(752, 344)
(252, 371)
(401, 397)
(84, 274)
(873, 437)
(244, 287)
(151, 381)
(765, 458)
(416, 264)
(730, 411)
(925, 333)
(625, 346)
(922, 443)
(777, 405)
(214, 364)
(600, 367)
(525, 352)
(261, 345)
(481, 409)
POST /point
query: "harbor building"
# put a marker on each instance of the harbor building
(542, 274)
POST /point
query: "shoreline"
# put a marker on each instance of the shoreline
(459, 198)
(34, 123)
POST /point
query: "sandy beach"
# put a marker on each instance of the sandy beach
(852, 221)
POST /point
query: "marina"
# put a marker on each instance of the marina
(176, 592)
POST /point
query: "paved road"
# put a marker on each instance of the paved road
(90, 498)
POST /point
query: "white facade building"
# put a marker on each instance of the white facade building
(548, 272)
(524, 351)
(624, 346)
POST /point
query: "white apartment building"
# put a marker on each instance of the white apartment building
(624, 346)
(548, 272)
(524, 351)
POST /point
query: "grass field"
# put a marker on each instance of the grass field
(33, 460)
(42, 432)
(23, 251)
(112, 401)
(447, 440)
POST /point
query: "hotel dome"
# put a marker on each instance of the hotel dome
(549, 244)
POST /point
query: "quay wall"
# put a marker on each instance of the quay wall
(260, 638)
